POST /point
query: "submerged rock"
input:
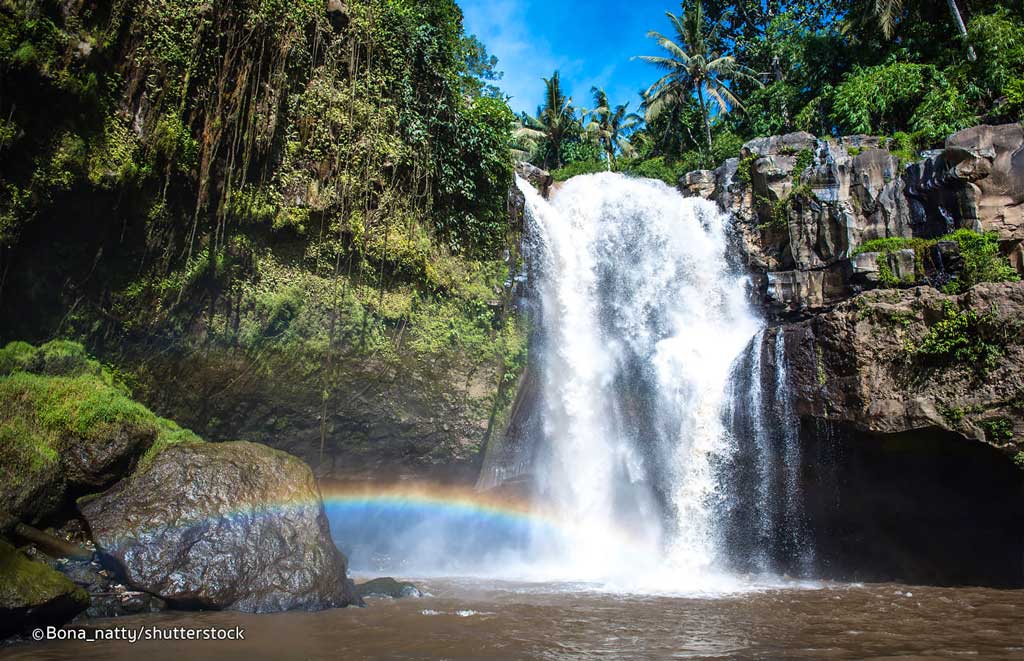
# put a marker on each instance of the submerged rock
(234, 525)
(32, 594)
(387, 587)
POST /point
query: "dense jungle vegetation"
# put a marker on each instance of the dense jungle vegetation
(725, 72)
(297, 181)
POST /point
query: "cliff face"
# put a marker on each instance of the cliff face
(892, 294)
(849, 247)
(892, 361)
(802, 207)
(243, 208)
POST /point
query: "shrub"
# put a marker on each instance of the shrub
(962, 338)
(579, 167)
(998, 430)
(983, 261)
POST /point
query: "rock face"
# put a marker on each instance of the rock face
(860, 364)
(32, 594)
(540, 179)
(802, 205)
(222, 526)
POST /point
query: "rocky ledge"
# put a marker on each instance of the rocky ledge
(803, 207)
(892, 361)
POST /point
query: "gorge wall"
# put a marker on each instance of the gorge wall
(904, 365)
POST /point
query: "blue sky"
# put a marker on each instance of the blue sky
(590, 42)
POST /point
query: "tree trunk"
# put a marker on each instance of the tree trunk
(704, 116)
(959, 20)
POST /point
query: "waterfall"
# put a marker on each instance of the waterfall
(767, 529)
(789, 429)
(641, 320)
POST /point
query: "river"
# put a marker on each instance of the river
(478, 619)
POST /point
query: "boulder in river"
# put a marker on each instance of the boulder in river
(233, 525)
(387, 587)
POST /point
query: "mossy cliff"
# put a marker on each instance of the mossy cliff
(278, 220)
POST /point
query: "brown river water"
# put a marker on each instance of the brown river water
(479, 619)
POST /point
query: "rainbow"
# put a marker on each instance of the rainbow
(343, 501)
(338, 497)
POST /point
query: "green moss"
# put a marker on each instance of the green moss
(168, 434)
(25, 583)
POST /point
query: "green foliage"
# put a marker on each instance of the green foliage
(804, 159)
(579, 167)
(886, 278)
(775, 214)
(1013, 109)
(998, 40)
(891, 244)
(744, 170)
(880, 97)
(962, 338)
(983, 261)
(1018, 460)
(998, 430)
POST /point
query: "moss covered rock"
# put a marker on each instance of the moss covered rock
(66, 428)
(32, 594)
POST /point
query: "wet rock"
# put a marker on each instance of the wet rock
(802, 205)
(222, 526)
(387, 587)
(539, 179)
(855, 365)
(32, 594)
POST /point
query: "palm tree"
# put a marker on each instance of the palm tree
(693, 66)
(555, 121)
(611, 126)
(887, 13)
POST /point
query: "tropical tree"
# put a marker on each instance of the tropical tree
(888, 12)
(694, 66)
(555, 121)
(611, 126)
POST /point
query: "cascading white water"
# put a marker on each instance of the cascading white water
(794, 523)
(642, 319)
(765, 456)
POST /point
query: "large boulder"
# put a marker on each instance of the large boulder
(862, 363)
(539, 179)
(32, 594)
(222, 526)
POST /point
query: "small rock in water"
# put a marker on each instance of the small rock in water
(387, 587)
